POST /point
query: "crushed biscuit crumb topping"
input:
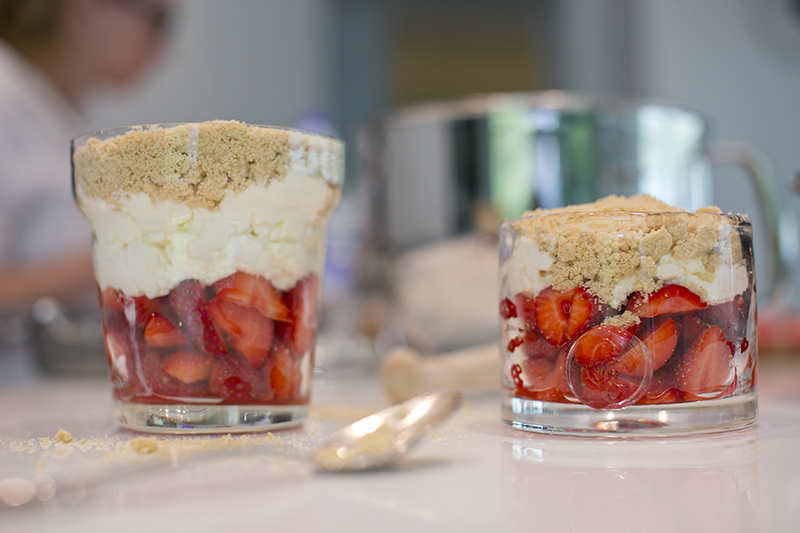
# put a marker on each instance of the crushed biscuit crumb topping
(599, 245)
(196, 164)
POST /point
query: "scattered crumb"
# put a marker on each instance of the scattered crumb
(45, 442)
(271, 438)
(144, 445)
(63, 436)
(624, 320)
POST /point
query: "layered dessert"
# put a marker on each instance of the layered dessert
(209, 243)
(627, 301)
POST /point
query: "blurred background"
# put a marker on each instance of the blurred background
(342, 66)
(277, 61)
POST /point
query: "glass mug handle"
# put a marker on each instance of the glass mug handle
(777, 219)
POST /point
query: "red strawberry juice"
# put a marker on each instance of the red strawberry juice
(628, 316)
(209, 249)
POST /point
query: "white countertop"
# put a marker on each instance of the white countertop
(477, 474)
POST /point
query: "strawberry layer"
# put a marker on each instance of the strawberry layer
(696, 351)
(238, 341)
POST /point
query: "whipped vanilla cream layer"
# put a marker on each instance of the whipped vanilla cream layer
(147, 247)
(617, 253)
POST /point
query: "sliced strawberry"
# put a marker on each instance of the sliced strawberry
(253, 291)
(560, 316)
(110, 298)
(147, 307)
(534, 346)
(546, 395)
(663, 387)
(235, 381)
(691, 327)
(514, 343)
(602, 345)
(707, 367)
(120, 357)
(526, 311)
(660, 340)
(541, 374)
(283, 374)
(601, 388)
(113, 312)
(185, 300)
(164, 384)
(188, 366)
(189, 302)
(663, 396)
(730, 316)
(508, 309)
(670, 299)
(217, 312)
(249, 331)
(299, 334)
(596, 363)
(117, 337)
(162, 333)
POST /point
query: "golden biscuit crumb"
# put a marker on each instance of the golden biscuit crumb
(196, 164)
(624, 320)
(144, 445)
(63, 436)
(622, 242)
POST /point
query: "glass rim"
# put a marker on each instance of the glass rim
(107, 133)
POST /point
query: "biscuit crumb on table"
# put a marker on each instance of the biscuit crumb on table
(63, 436)
(144, 445)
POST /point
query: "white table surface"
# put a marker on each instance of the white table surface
(475, 475)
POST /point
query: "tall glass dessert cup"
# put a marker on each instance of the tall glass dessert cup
(209, 248)
(628, 317)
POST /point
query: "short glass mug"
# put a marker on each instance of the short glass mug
(209, 248)
(628, 324)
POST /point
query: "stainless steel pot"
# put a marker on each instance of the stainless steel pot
(443, 169)
(440, 175)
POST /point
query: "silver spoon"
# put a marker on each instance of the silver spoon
(381, 437)
(369, 443)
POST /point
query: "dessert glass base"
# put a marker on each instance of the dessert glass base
(197, 419)
(707, 416)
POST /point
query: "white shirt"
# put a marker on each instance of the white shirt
(38, 216)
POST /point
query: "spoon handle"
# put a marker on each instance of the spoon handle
(50, 494)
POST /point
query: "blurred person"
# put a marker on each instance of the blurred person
(53, 54)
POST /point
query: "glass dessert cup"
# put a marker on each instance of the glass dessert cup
(628, 324)
(209, 248)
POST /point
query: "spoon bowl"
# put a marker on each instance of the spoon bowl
(381, 437)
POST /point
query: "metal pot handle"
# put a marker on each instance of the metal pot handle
(778, 220)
